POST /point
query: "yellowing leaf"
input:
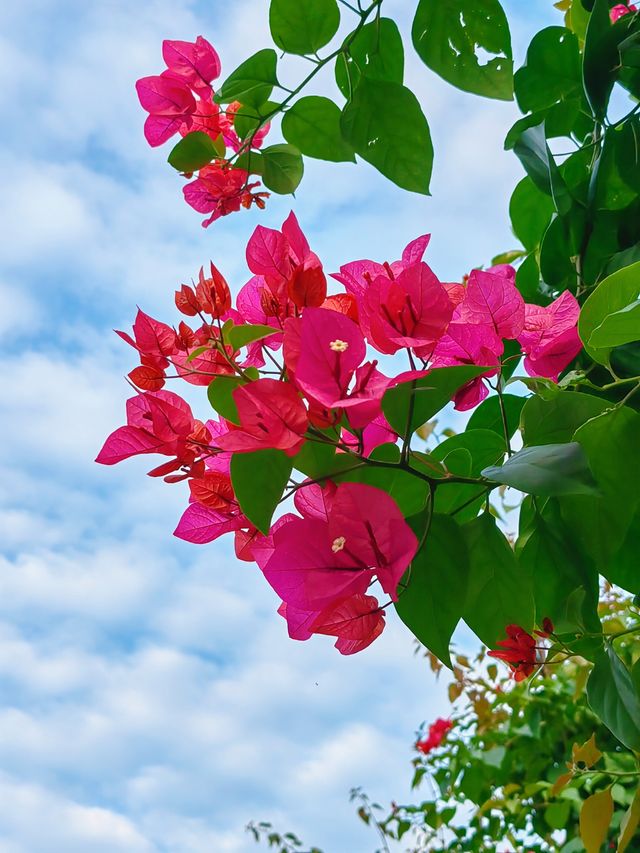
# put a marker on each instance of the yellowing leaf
(595, 818)
(425, 430)
(560, 782)
(588, 753)
(629, 824)
(454, 691)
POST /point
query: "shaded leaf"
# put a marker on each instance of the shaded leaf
(313, 126)
(613, 697)
(258, 480)
(303, 27)
(552, 469)
(252, 82)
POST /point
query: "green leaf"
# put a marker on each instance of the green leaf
(534, 154)
(613, 294)
(282, 168)
(194, 151)
(430, 608)
(259, 479)
(616, 171)
(251, 161)
(620, 327)
(552, 70)
(530, 210)
(528, 280)
(220, 394)
(247, 120)
(612, 445)
(240, 336)
(499, 591)
(408, 491)
(555, 421)
(600, 58)
(548, 552)
(303, 26)
(318, 459)
(313, 126)
(489, 416)
(613, 697)
(622, 568)
(453, 36)
(385, 125)
(431, 394)
(252, 82)
(465, 455)
(375, 51)
(553, 469)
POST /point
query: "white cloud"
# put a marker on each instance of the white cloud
(152, 700)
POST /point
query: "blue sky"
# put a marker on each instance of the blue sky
(151, 700)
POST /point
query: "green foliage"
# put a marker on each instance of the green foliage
(194, 151)
(313, 126)
(258, 479)
(303, 28)
(413, 403)
(282, 168)
(552, 469)
(385, 125)
(375, 50)
(449, 35)
(430, 608)
(252, 82)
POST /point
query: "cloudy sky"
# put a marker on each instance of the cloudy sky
(150, 698)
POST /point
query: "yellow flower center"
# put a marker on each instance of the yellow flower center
(338, 544)
(338, 346)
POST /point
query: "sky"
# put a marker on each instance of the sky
(150, 699)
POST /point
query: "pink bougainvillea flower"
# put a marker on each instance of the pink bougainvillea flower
(331, 347)
(195, 63)
(157, 422)
(206, 118)
(376, 432)
(620, 10)
(170, 105)
(272, 415)
(436, 735)
(356, 621)
(550, 339)
(411, 309)
(492, 299)
(200, 524)
(220, 189)
(466, 343)
(315, 562)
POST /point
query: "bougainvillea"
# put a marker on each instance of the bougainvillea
(350, 533)
(326, 457)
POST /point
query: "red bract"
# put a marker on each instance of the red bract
(437, 733)
(314, 561)
(519, 651)
(229, 133)
(271, 414)
(155, 341)
(221, 189)
(466, 343)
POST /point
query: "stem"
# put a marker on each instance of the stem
(503, 415)
(293, 93)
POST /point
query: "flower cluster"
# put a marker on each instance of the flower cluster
(180, 101)
(437, 733)
(298, 370)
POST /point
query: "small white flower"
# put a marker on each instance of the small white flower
(338, 346)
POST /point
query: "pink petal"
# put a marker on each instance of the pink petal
(125, 442)
(199, 524)
(415, 250)
(493, 299)
(162, 96)
(268, 253)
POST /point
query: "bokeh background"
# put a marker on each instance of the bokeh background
(150, 699)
